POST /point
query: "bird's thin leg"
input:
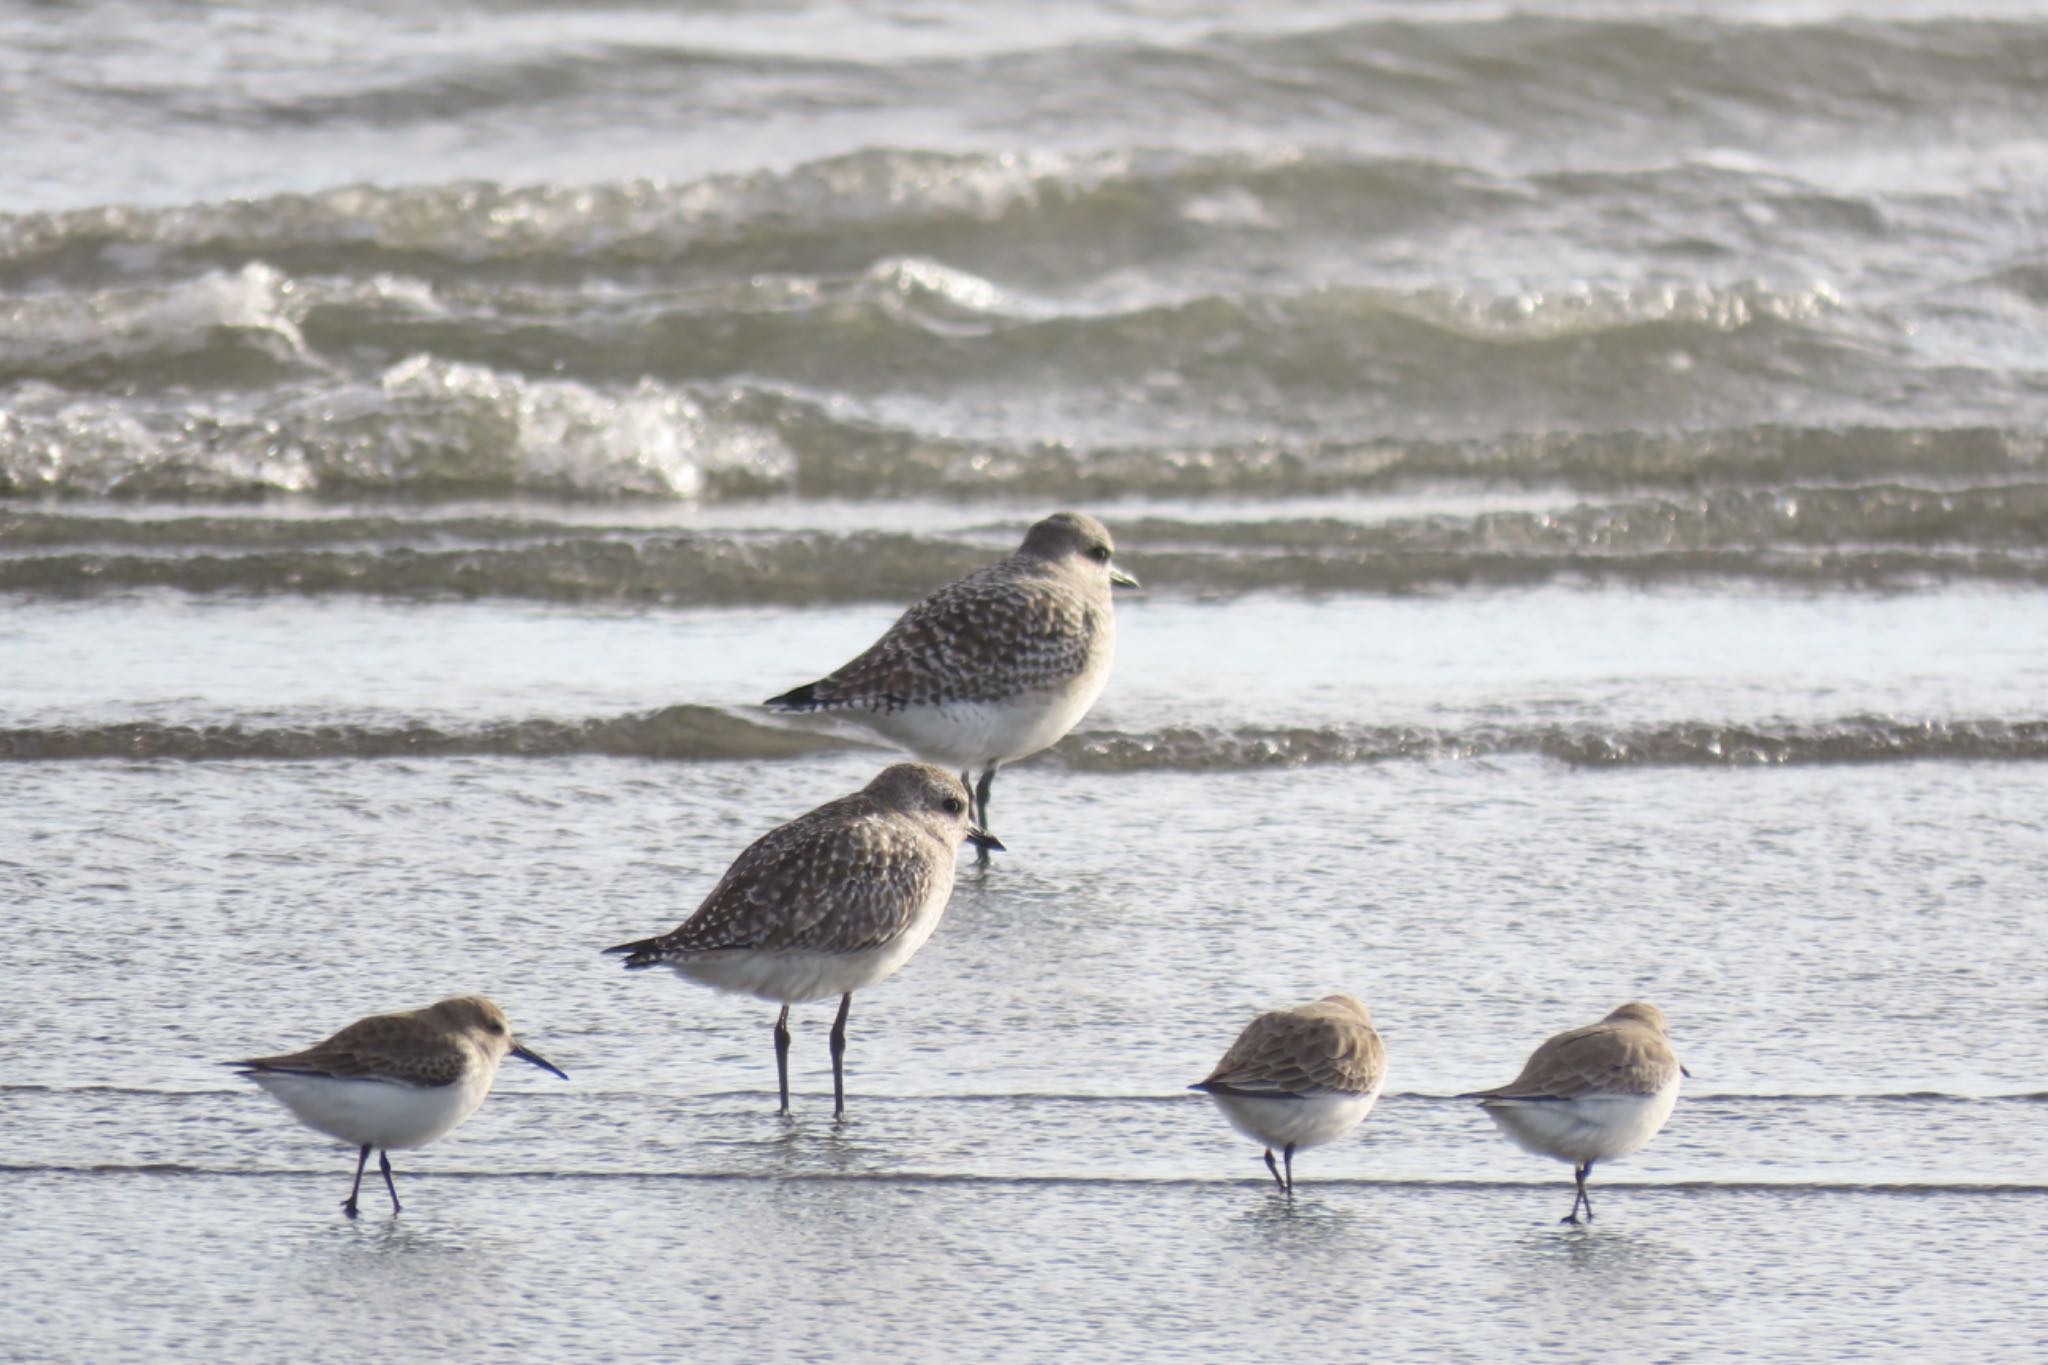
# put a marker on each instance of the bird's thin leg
(1274, 1167)
(1579, 1194)
(988, 778)
(838, 1056)
(384, 1163)
(973, 811)
(348, 1205)
(1288, 1156)
(782, 1056)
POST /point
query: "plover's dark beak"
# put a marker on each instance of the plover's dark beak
(982, 839)
(1119, 579)
(527, 1054)
(1683, 1072)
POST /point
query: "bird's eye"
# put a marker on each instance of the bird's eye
(1099, 553)
(952, 805)
(495, 1027)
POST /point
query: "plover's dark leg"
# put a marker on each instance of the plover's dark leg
(782, 1056)
(838, 1055)
(384, 1163)
(988, 778)
(1274, 1167)
(1288, 1155)
(348, 1205)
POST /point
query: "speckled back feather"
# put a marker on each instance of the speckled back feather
(848, 876)
(1028, 622)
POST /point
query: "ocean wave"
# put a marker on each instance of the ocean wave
(711, 734)
(427, 427)
(1885, 537)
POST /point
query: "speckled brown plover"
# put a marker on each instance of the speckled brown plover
(992, 667)
(832, 901)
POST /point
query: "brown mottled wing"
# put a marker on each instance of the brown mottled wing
(1301, 1053)
(1599, 1059)
(846, 877)
(987, 637)
(391, 1047)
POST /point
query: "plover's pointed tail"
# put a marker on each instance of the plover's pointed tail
(646, 952)
(797, 699)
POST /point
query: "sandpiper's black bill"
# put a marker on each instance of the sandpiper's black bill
(527, 1054)
(984, 841)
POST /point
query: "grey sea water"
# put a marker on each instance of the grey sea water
(1589, 466)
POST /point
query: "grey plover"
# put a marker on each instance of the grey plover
(395, 1080)
(1300, 1077)
(1591, 1094)
(832, 901)
(992, 667)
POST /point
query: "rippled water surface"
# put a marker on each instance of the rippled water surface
(1589, 468)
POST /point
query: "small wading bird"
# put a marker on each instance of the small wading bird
(832, 901)
(1300, 1077)
(395, 1080)
(1591, 1094)
(992, 667)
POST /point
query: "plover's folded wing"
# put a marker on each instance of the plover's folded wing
(789, 890)
(986, 638)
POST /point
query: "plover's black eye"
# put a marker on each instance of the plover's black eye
(952, 805)
(495, 1027)
(1099, 553)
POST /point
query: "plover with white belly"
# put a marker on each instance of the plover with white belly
(1591, 1094)
(992, 667)
(1300, 1077)
(395, 1080)
(832, 901)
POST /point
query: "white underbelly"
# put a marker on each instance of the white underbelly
(978, 734)
(1284, 1121)
(381, 1113)
(1590, 1128)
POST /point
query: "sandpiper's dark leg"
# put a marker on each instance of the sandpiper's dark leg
(782, 1056)
(838, 1055)
(348, 1205)
(1274, 1167)
(1579, 1195)
(384, 1162)
(1288, 1155)
(988, 778)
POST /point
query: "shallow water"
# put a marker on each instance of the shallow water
(1587, 467)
